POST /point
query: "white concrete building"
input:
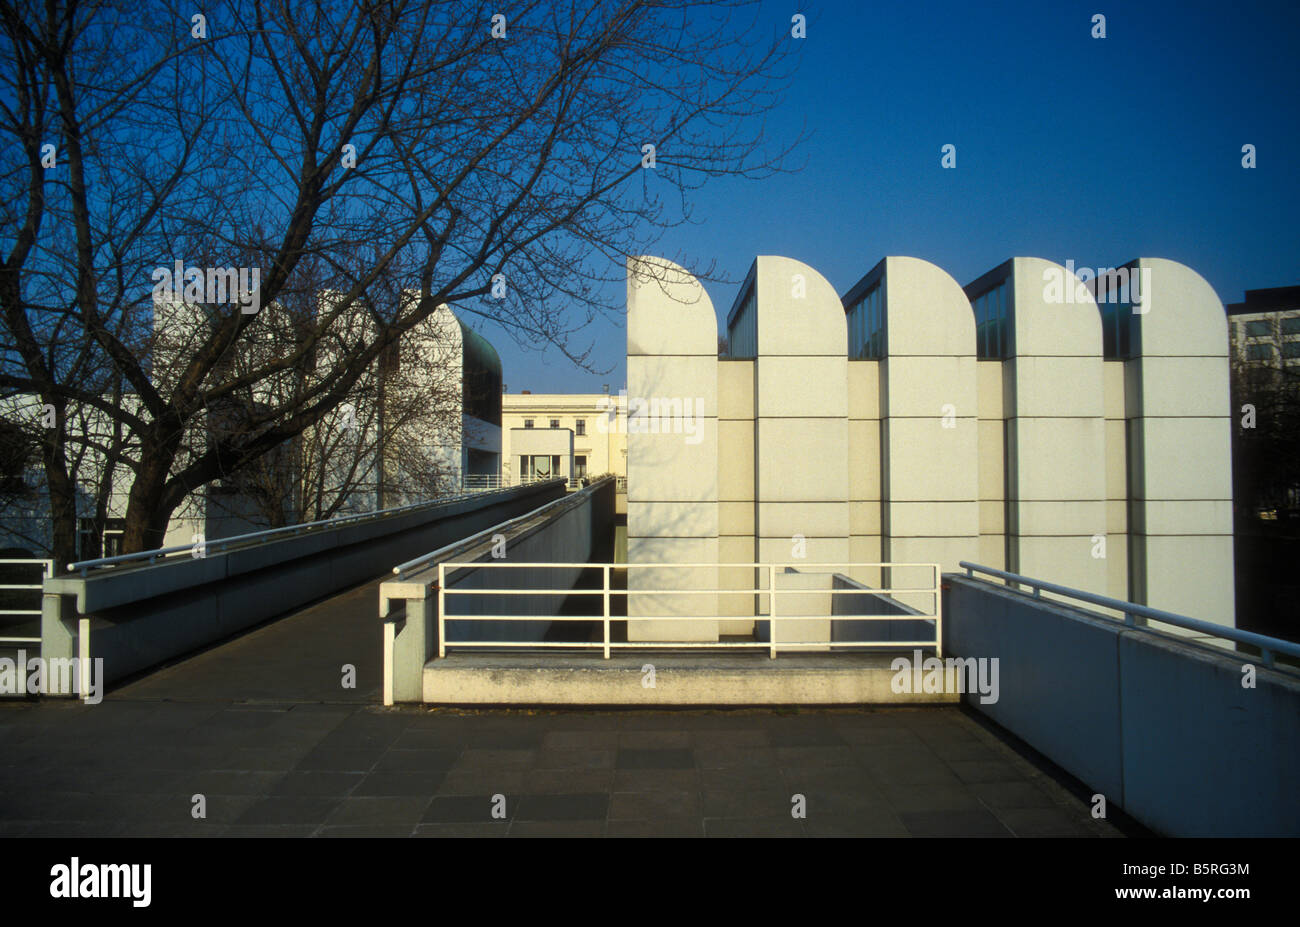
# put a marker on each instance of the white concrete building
(1028, 422)
(438, 424)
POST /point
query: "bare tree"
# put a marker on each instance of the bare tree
(504, 164)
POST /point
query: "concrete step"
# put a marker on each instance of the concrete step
(680, 679)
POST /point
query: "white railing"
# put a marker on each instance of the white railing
(484, 483)
(769, 589)
(219, 545)
(1132, 611)
(47, 570)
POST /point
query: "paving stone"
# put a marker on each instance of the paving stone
(288, 811)
(317, 782)
(512, 739)
(399, 783)
(557, 829)
(730, 757)
(1042, 822)
(483, 782)
(654, 780)
(653, 740)
(917, 798)
(579, 806)
(747, 737)
(339, 760)
(363, 830)
(980, 823)
(763, 803)
(270, 830)
(985, 771)
(861, 823)
(494, 759)
(575, 759)
(753, 827)
(658, 758)
(580, 740)
(807, 735)
(460, 809)
(380, 811)
(548, 781)
(813, 756)
(489, 829)
(1000, 795)
(417, 761)
(229, 782)
(658, 827)
(667, 803)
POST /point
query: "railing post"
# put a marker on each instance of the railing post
(442, 611)
(605, 570)
(771, 609)
(938, 613)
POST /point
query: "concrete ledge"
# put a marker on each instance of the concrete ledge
(697, 679)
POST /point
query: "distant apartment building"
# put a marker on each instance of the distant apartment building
(570, 435)
(1265, 328)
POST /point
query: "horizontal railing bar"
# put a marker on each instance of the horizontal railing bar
(1132, 608)
(402, 568)
(20, 640)
(28, 586)
(762, 589)
(217, 543)
(598, 645)
(780, 618)
(674, 645)
(461, 564)
(17, 611)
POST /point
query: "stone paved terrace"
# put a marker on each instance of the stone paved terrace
(261, 727)
(129, 767)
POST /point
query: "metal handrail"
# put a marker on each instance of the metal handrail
(770, 590)
(47, 570)
(1267, 645)
(402, 568)
(259, 536)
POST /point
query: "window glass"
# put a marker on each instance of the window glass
(1260, 327)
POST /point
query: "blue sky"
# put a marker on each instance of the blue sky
(1068, 147)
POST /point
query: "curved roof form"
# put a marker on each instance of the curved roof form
(478, 351)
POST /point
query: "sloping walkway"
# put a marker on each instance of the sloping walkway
(297, 658)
